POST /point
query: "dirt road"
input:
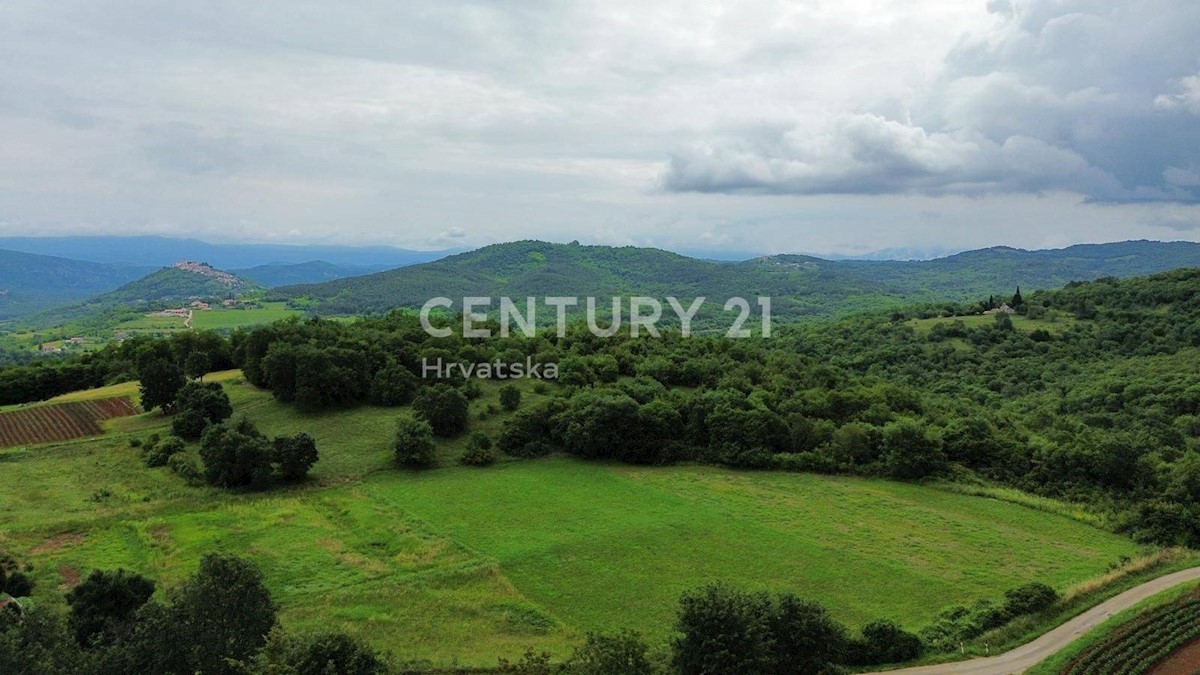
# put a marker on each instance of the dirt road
(1033, 653)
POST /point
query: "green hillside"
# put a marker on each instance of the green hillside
(801, 286)
(31, 283)
(315, 271)
(534, 268)
(168, 287)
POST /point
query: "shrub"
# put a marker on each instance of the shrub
(197, 405)
(884, 642)
(103, 606)
(293, 456)
(471, 390)
(444, 408)
(330, 653)
(393, 385)
(161, 453)
(479, 451)
(185, 466)
(414, 444)
(510, 397)
(1029, 599)
(623, 653)
(235, 456)
(723, 630)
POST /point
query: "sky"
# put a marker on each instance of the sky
(839, 126)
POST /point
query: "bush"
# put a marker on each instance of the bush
(103, 606)
(325, 653)
(235, 455)
(723, 630)
(623, 653)
(884, 642)
(414, 444)
(1029, 599)
(293, 456)
(197, 405)
(189, 424)
(479, 451)
(510, 397)
(393, 385)
(444, 408)
(185, 466)
(161, 453)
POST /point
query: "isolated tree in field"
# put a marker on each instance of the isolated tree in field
(197, 405)
(103, 606)
(1017, 300)
(235, 455)
(444, 407)
(510, 397)
(197, 365)
(160, 380)
(294, 456)
(414, 444)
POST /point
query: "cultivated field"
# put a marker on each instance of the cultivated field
(1053, 324)
(463, 565)
(61, 421)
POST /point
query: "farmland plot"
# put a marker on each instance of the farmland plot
(61, 421)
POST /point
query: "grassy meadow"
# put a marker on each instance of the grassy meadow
(1053, 324)
(460, 565)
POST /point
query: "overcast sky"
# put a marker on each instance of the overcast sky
(822, 126)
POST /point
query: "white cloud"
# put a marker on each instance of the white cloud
(1056, 95)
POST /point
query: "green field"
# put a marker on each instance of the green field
(217, 318)
(464, 565)
(1053, 324)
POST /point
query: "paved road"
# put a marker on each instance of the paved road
(1033, 653)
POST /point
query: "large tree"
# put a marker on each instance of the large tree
(160, 381)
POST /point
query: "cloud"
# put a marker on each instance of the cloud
(1090, 96)
(868, 154)
(1181, 218)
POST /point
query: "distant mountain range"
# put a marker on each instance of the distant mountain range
(161, 251)
(802, 286)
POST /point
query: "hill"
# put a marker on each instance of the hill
(808, 287)
(179, 284)
(31, 283)
(968, 275)
(802, 286)
(164, 251)
(273, 275)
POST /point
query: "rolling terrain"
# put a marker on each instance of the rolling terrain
(800, 286)
(465, 565)
(31, 283)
